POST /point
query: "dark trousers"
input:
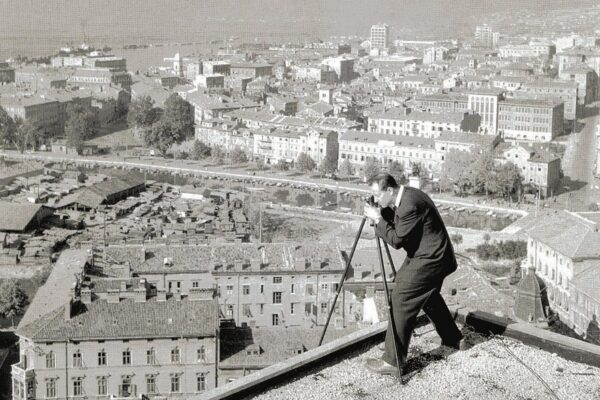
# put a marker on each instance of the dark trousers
(408, 298)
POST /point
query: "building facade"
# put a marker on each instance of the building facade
(422, 124)
(485, 103)
(531, 120)
(380, 37)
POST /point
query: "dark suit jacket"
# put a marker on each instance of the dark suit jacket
(417, 227)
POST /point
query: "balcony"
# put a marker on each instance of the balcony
(22, 374)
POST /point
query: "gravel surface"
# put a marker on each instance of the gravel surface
(486, 371)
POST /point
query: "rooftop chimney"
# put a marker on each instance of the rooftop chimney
(139, 295)
(68, 309)
(123, 286)
(112, 296)
(177, 296)
(161, 295)
(143, 254)
(86, 296)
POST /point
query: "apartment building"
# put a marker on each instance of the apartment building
(539, 167)
(485, 103)
(343, 67)
(44, 111)
(563, 250)
(397, 121)
(586, 78)
(216, 67)
(361, 146)
(531, 50)
(274, 145)
(450, 102)
(100, 77)
(254, 70)
(259, 284)
(380, 37)
(543, 89)
(531, 120)
(485, 36)
(119, 339)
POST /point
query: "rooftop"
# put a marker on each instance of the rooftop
(372, 137)
(231, 257)
(16, 216)
(126, 319)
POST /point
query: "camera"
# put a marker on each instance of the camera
(371, 201)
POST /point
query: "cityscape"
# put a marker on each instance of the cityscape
(183, 218)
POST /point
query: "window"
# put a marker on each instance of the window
(50, 360)
(229, 289)
(127, 357)
(102, 357)
(275, 319)
(292, 308)
(174, 383)
(195, 284)
(323, 307)
(201, 354)
(151, 383)
(246, 289)
(246, 310)
(201, 382)
(276, 297)
(102, 386)
(277, 279)
(175, 355)
(77, 359)
(292, 289)
(324, 286)
(262, 288)
(51, 388)
(151, 357)
(78, 386)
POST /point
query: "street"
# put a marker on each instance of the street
(578, 167)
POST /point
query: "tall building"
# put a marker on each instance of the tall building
(485, 36)
(380, 36)
(485, 103)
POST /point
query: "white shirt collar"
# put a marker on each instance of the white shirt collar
(399, 197)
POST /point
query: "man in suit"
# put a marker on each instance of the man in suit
(407, 218)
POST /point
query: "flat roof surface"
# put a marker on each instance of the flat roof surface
(489, 370)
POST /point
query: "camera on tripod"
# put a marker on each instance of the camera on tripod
(371, 201)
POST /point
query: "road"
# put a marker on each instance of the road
(578, 166)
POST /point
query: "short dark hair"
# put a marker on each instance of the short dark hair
(384, 181)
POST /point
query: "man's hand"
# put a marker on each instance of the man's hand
(373, 213)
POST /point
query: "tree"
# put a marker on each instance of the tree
(260, 164)
(238, 156)
(396, 170)
(200, 150)
(178, 113)
(328, 165)
(415, 168)
(82, 124)
(305, 163)
(282, 165)
(508, 179)
(371, 169)
(456, 238)
(217, 154)
(346, 168)
(162, 135)
(142, 113)
(7, 128)
(12, 300)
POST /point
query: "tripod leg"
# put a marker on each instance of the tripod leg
(389, 304)
(387, 250)
(341, 284)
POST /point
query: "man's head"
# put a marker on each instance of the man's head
(383, 189)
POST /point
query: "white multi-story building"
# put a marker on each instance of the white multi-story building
(361, 146)
(274, 145)
(564, 250)
(380, 37)
(485, 103)
(396, 121)
(485, 36)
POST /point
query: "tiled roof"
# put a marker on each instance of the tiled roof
(372, 137)
(274, 257)
(127, 319)
(467, 137)
(55, 293)
(567, 233)
(272, 345)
